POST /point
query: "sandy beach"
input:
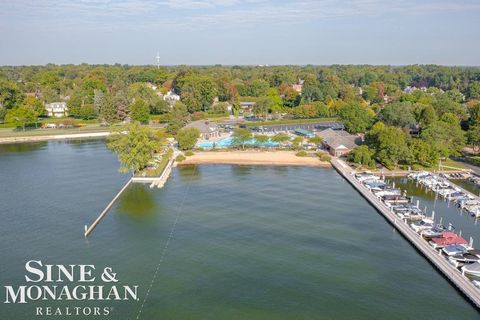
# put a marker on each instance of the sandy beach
(279, 158)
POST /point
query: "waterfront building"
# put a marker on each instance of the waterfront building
(339, 142)
(57, 109)
(207, 129)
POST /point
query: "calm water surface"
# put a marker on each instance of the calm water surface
(248, 243)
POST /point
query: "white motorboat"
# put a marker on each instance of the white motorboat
(472, 270)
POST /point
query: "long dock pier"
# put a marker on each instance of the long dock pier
(463, 284)
(89, 230)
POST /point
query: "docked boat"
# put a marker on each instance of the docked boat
(463, 259)
(424, 224)
(434, 232)
(390, 200)
(472, 270)
(446, 239)
(455, 249)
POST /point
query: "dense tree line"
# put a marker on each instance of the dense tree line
(409, 114)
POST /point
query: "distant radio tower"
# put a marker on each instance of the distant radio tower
(158, 60)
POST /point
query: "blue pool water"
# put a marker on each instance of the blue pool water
(228, 142)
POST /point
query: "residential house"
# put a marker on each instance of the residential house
(57, 109)
(298, 86)
(207, 129)
(338, 142)
(246, 106)
(171, 97)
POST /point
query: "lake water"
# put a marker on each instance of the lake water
(246, 242)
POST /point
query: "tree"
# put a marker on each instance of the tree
(355, 117)
(426, 116)
(473, 91)
(178, 117)
(473, 135)
(261, 138)
(422, 153)
(241, 137)
(187, 138)
(389, 143)
(399, 114)
(281, 137)
(139, 112)
(108, 111)
(10, 95)
(21, 116)
(122, 104)
(448, 139)
(297, 141)
(315, 140)
(134, 145)
(262, 106)
(362, 155)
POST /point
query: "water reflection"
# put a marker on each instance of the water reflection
(22, 147)
(137, 201)
(189, 173)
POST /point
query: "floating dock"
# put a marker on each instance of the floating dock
(462, 283)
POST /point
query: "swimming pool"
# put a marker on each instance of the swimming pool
(228, 142)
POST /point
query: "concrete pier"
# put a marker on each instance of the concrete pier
(89, 230)
(463, 284)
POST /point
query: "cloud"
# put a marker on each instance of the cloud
(111, 15)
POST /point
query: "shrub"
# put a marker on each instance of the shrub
(189, 153)
(324, 156)
(301, 154)
(180, 158)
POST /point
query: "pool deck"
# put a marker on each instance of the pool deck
(279, 158)
(464, 285)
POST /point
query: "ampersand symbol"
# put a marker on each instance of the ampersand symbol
(108, 275)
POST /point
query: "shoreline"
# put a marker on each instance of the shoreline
(20, 139)
(270, 158)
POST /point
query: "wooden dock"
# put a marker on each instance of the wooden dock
(462, 283)
(104, 212)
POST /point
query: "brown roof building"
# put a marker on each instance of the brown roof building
(339, 142)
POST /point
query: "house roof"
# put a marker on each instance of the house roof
(203, 126)
(339, 139)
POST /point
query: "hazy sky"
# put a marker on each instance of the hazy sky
(240, 31)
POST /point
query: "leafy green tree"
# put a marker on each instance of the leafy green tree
(261, 138)
(315, 140)
(198, 92)
(187, 138)
(297, 142)
(390, 145)
(473, 136)
(134, 145)
(426, 115)
(311, 92)
(448, 139)
(281, 137)
(10, 96)
(355, 117)
(139, 112)
(422, 153)
(362, 155)
(241, 137)
(108, 110)
(122, 104)
(178, 117)
(21, 116)
(398, 114)
(473, 91)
